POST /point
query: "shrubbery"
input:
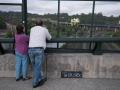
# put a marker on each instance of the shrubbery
(2, 23)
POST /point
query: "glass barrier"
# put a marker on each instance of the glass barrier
(45, 10)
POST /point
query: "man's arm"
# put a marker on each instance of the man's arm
(48, 35)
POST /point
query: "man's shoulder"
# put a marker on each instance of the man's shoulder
(43, 28)
(34, 27)
(38, 27)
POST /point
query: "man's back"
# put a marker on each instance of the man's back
(38, 36)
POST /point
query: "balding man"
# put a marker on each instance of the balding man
(37, 45)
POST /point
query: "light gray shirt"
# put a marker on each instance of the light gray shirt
(38, 36)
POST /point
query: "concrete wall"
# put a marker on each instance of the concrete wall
(92, 66)
(7, 65)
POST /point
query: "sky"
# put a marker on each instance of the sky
(71, 7)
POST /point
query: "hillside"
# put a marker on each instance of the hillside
(15, 17)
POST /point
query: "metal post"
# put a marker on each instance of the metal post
(58, 17)
(92, 23)
(1, 49)
(58, 22)
(97, 49)
(24, 14)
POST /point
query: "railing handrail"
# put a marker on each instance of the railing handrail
(95, 50)
(72, 40)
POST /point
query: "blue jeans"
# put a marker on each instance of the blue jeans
(37, 57)
(22, 64)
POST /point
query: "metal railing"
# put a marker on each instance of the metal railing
(96, 49)
(95, 42)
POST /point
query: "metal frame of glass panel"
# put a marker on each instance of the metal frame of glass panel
(98, 41)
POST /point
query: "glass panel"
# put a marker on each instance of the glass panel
(45, 10)
(10, 16)
(74, 15)
(9, 8)
(107, 19)
(10, 1)
(74, 45)
(111, 46)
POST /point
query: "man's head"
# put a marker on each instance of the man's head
(39, 23)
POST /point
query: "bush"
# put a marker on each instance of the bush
(116, 34)
(2, 23)
(9, 34)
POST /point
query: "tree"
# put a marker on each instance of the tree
(2, 23)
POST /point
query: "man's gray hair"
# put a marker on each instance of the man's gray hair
(39, 22)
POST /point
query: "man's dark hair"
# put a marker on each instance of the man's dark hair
(39, 23)
(19, 29)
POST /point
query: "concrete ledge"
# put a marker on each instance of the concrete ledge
(7, 65)
(92, 66)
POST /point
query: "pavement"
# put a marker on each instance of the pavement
(62, 84)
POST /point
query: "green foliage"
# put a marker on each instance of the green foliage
(109, 34)
(2, 23)
(116, 34)
(11, 17)
(64, 29)
(9, 34)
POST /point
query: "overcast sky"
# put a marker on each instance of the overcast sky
(70, 7)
